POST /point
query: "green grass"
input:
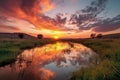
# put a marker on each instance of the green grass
(11, 48)
(109, 63)
(108, 51)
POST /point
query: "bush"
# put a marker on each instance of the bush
(40, 36)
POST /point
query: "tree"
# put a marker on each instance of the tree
(92, 35)
(99, 36)
(21, 35)
(39, 36)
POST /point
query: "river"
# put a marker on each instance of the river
(55, 61)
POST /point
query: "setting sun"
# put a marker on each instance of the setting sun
(56, 37)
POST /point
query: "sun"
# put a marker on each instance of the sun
(56, 37)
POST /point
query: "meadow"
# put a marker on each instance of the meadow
(11, 48)
(107, 66)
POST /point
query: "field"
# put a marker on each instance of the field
(106, 66)
(10, 48)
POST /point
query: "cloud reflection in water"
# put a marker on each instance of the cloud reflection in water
(50, 62)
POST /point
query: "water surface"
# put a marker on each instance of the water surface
(50, 62)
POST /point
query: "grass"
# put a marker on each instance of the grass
(109, 64)
(108, 50)
(11, 48)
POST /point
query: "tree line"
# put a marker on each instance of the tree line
(94, 35)
(21, 36)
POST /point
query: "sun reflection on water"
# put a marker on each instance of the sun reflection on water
(49, 62)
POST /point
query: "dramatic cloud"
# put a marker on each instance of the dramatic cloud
(25, 7)
(107, 24)
(9, 28)
(94, 9)
(87, 16)
(61, 20)
(87, 19)
(30, 15)
(29, 10)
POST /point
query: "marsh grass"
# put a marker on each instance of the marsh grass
(10, 49)
(107, 49)
(109, 66)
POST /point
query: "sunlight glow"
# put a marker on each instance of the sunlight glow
(56, 37)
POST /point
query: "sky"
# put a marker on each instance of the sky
(61, 18)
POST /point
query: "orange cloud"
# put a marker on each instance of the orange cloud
(31, 11)
(47, 5)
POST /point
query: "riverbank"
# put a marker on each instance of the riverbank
(11, 48)
(108, 50)
(108, 67)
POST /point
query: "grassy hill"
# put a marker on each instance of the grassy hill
(112, 36)
(16, 36)
(107, 63)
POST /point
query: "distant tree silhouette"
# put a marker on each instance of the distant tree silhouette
(99, 36)
(21, 35)
(92, 35)
(39, 36)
